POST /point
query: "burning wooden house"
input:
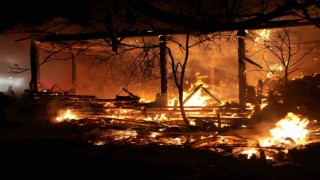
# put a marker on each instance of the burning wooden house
(129, 119)
(215, 115)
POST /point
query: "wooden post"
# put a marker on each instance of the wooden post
(260, 91)
(242, 69)
(163, 69)
(74, 74)
(212, 85)
(34, 63)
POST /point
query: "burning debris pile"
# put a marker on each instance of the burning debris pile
(128, 120)
(289, 133)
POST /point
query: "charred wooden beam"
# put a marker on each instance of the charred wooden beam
(211, 95)
(34, 62)
(163, 70)
(132, 95)
(74, 75)
(242, 68)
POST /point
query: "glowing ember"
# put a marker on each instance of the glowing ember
(115, 117)
(66, 115)
(263, 105)
(141, 100)
(157, 117)
(109, 104)
(175, 141)
(154, 134)
(192, 122)
(288, 131)
(162, 117)
(120, 113)
(125, 134)
(249, 152)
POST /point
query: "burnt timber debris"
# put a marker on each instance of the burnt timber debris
(47, 104)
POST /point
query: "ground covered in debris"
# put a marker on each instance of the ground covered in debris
(43, 150)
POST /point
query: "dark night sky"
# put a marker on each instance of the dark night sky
(36, 12)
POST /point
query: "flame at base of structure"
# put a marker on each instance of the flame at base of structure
(289, 132)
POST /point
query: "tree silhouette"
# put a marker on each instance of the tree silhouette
(285, 54)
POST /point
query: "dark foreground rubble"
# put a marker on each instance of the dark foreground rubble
(45, 151)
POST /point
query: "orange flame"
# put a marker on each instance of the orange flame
(249, 152)
(263, 35)
(66, 115)
(288, 131)
(157, 117)
(274, 68)
(197, 99)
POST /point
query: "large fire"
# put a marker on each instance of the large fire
(289, 132)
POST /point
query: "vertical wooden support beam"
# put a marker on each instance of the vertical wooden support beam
(259, 91)
(212, 85)
(163, 70)
(74, 74)
(242, 68)
(34, 63)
